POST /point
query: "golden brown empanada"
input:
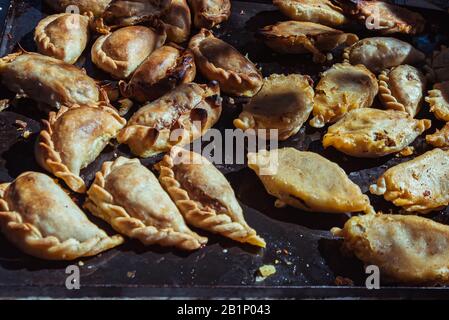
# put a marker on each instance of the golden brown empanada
(439, 63)
(129, 197)
(370, 133)
(419, 185)
(177, 21)
(165, 68)
(440, 138)
(342, 88)
(402, 88)
(407, 249)
(379, 53)
(209, 13)
(120, 53)
(284, 103)
(307, 181)
(96, 7)
(204, 196)
(218, 60)
(177, 118)
(302, 37)
(48, 80)
(72, 138)
(438, 99)
(384, 17)
(39, 217)
(319, 11)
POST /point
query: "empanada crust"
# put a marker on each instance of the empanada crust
(96, 7)
(217, 60)
(129, 197)
(419, 185)
(370, 133)
(177, 21)
(41, 219)
(307, 181)
(209, 13)
(438, 99)
(284, 103)
(72, 138)
(440, 138)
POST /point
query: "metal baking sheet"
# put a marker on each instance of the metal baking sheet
(306, 256)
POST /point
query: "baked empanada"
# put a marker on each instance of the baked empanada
(204, 196)
(440, 64)
(384, 17)
(38, 216)
(48, 80)
(96, 7)
(407, 249)
(120, 53)
(177, 21)
(402, 88)
(129, 197)
(319, 11)
(307, 181)
(440, 138)
(419, 185)
(177, 118)
(209, 13)
(284, 103)
(342, 88)
(379, 53)
(165, 68)
(218, 60)
(370, 133)
(438, 99)
(72, 138)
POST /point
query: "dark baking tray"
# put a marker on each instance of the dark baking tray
(308, 256)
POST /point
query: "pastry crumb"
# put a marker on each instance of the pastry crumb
(4, 104)
(342, 281)
(21, 124)
(407, 151)
(26, 134)
(267, 270)
(131, 274)
(242, 12)
(80, 263)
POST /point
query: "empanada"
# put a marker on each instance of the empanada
(39, 217)
(48, 80)
(63, 36)
(218, 60)
(419, 185)
(72, 138)
(204, 196)
(177, 118)
(407, 249)
(402, 88)
(440, 64)
(379, 53)
(284, 103)
(440, 138)
(384, 17)
(129, 197)
(165, 68)
(302, 37)
(438, 99)
(177, 21)
(120, 53)
(96, 7)
(209, 13)
(370, 133)
(342, 88)
(319, 11)
(307, 181)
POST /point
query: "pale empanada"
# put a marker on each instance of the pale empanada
(39, 217)
(177, 118)
(165, 68)
(319, 11)
(384, 17)
(96, 7)
(284, 103)
(381, 53)
(129, 197)
(120, 53)
(407, 249)
(204, 196)
(177, 21)
(438, 99)
(218, 60)
(440, 64)
(419, 185)
(440, 138)
(370, 133)
(307, 181)
(209, 13)
(402, 88)
(72, 138)
(342, 88)
(48, 80)
(302, 37)
(63, 36)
